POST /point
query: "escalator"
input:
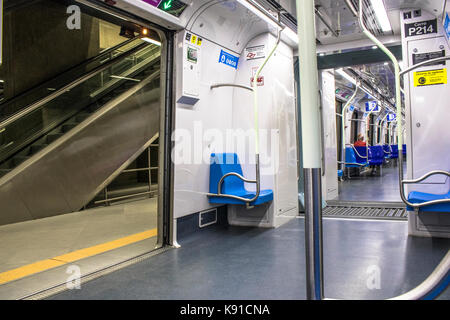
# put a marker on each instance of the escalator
(70, 137)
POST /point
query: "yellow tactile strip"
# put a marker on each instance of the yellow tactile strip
(58, 261)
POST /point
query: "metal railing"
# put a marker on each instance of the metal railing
(68, 87)
(149, 168)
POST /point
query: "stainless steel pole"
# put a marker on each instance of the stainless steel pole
(310, 115)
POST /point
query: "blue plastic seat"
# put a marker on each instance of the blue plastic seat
(222, 164)
(363, 153)
(404, 149)
(394, 154)
(387, 151)
(420, 197)
(376, 156)
(351, 159)
(340, 173)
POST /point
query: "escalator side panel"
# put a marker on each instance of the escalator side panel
(12, 203)
(67, 175)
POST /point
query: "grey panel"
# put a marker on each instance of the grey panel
(12, 203)
(66, 175)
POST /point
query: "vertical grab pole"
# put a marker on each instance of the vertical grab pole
(309, 87)
(367, 131)
(382, 130)
(398, 95)
(344, 112)
(256, 111)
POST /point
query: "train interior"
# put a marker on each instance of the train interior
(186, 149)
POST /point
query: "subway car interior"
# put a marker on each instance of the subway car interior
(224, 150)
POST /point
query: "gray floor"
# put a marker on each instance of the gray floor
(384, 188)
(248, 263)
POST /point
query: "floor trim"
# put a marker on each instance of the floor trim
(58, 261)
(45, 293)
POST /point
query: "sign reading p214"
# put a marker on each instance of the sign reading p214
(421, 28)
(372, 106)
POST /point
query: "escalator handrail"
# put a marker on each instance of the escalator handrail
(46, 83)
(69, 86)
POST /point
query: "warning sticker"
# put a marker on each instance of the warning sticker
(430, 78)
(257, 52)
(260, 81)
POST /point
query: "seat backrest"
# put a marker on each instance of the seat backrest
(350, 156)
(394, 149)
(376, 153)
(387, 148)
(221, 164)
(363, 152)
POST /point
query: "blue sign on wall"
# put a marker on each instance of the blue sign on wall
(391, 117)
(447, 26)
(228, 59)
(352, 108)
(372, 106)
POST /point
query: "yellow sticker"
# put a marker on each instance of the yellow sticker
(430, 78)
(199, 42)
(194, 39)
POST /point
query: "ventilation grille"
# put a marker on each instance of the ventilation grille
(365, 212)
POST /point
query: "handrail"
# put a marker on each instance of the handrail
(359, 155)
(430, 174)
(438, 274)
(246, 200)
(424, 64)
(219, 85)
(67, 87)
(427, 203)
(344, 111)
(352, 164)
(85, 62)
(433, 286)
(256, 129)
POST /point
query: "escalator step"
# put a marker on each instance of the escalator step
(36, 148)
(52, 137)
(81, 117)
(130, 84)
(4, 171)
(104, 100)
(19, 159)
(68, 126)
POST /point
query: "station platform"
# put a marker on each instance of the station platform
(223, 262)
(39, 252)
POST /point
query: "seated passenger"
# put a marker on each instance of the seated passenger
(360, 142)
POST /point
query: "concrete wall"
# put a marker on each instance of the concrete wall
(38, 45)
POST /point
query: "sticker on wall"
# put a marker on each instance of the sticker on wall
(192, 55)
(421, 28)
(430, 78)
(228, 59)
(422, 57)
(194, 39)
(256, 52)
(260, 82)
